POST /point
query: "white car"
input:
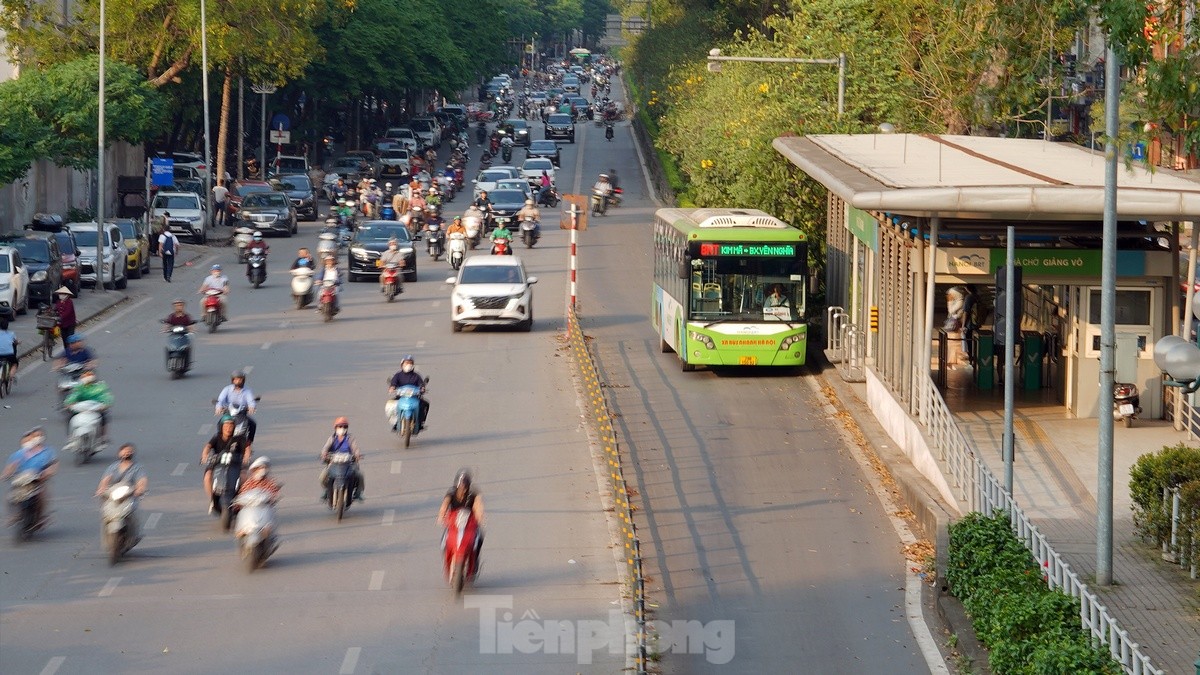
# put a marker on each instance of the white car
(396, 163)
(183, 212)
(114, 255)
(192, 160)
(487, 179)
(428, 131)
(14, 281)
(515, 184)
(492, 290)
(404, 136)
(532, 170)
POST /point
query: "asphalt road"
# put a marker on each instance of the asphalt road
(362, 596)
(752, 510)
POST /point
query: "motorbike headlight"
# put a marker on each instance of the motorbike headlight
(38, 276)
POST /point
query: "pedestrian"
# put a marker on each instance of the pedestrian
(219, 194)
(64, 306)
(168, 248)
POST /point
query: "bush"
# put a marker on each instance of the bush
(1028, 628)
(1173, 466)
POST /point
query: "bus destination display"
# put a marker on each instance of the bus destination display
(766, 250)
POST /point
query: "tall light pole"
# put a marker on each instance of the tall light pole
(715, 59)
(1108, 328)
(263, 88)
(100, 170)
(207, 146)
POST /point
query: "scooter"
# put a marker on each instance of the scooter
(118, 521)
(327, 242)
(500, 246)
(458, 250)
(447, 187)
(224, 487)
(549, 198)
(83, 431)
(242, 236)
(256, 266)
(341, 478)
(240, 415)
(212, 309)
(1126, 402)
(391, 281)
(68, 380)
(328, 302)
(530, 233)
(434, 242)
(458, 548)
(387, 212)
(25, 495)
(473, 225)
(302, 286)
(608, 131)
(599, 203)
(506, 152)
(255, 528)
(179, 351)
(403, 412)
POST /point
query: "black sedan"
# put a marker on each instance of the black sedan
(545, 148)
(505, 204)
(371, 240)
(268, 212)
(300, 190)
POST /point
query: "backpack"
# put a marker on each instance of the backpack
(168, 245)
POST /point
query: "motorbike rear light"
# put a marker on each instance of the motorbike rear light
(1124, 390)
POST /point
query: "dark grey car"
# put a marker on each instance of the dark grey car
(268, 212)
(300, 190)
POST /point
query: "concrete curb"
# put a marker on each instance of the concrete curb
(929, 513)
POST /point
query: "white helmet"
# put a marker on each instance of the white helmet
(387, 185)
(528, 202)
(264, 462)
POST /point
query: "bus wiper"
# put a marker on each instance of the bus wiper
(717, 321)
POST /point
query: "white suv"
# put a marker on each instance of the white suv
(14, 281)
(404, 136)
(492, 290)
(113, 259)
(184, 214)
(428, 131)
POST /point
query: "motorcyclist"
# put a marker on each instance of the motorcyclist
(76, 351)
(456, 227)
(482, 202)
(341, 441)
(331, 273)
(531, 212)
(304, 259)
(91, 389)
(180, 317)
(603, 189)
(613, 179)
(434, 198)
(506, 145)
(462, 495)
(260, 479)
(608, 130)
(237, 395)
(502, 232)
(257, 241)
(225, 440)
(8, 346)
(406, 376)
(481, 132)
(218, 282)
(418, 200)
(34, 455)
(126, 470)
(338, 191)
(388, 257)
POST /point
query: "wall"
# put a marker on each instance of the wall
(52, 189)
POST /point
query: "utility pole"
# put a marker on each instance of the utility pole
(100, 247)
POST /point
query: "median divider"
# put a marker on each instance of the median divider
(600, 421)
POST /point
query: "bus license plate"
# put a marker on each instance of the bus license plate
(748, 361)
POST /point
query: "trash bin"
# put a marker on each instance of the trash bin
(985, 363)
(1031, 360)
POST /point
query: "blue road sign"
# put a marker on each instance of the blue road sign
(162, 171)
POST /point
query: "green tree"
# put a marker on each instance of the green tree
(23, 137)
(593, 19)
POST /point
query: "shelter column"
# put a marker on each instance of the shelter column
(927, 351)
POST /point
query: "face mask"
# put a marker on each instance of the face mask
(408, 367)
(87, 379)
(341, 431)
(391, 248)
(30, 444)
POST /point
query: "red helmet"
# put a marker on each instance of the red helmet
(341, 421)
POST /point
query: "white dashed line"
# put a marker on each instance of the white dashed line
(266, 346)
(420, 344)
(437, 303)
(248, 369)
(376, 581)
(53, 665)
(389, 517)
(428, 324)
(205, 429)
(396, 466)
(180, 469)
(350, 663)
(110, 587)
(152, 521)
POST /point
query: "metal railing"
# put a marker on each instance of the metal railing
(853, 365)
(835, 318)
(975, 484)
(601, 422)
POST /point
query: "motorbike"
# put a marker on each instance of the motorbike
(414, 221)
(302, 286)
(83, 431)
(485, 161)
(458, 250)
(481, 133)
(225, 482)
(118, 518)
(240, 416)
(391, 281)
(599, 203)
(68, 380)
(447, 187)
(403, 412)
(328, 302)
(1126, 402)
(327, 243)
(549, 198)
(608, 131)
(435, 240)
(458, 548)
(341, 479)
(212, 309)
(25, 495)
(501, 246)
(506, 152)
(530, 232)
(179, 351)
(256, 266)
(255, 528)
(242, 236)
(473, 224)
(387, 212)
(459, 178)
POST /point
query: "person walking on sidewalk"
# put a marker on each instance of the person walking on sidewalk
(168, 248)
(220, 192)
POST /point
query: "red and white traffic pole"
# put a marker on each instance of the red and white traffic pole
(572, 266)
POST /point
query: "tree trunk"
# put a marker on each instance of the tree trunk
(223, 127)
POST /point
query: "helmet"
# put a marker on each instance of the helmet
(257, 236)
(462, 479)
(226, 419)
(264, 462)
(458, 219)
(178, 301)
(75, 338)
(387, 185)
(433, 191)
(350, 202)
(237, 374)
(215, 268)
(528, 202)
(408, 357)
(341, 421)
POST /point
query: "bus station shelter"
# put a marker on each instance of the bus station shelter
(917, 222)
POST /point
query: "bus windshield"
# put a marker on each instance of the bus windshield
(747, 289)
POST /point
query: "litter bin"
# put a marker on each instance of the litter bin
(1031, 360)
(985, 363)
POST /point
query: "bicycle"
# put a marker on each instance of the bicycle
(47, 325)
(7, 377)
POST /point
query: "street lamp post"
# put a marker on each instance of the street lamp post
(100, 169)
(715, 59)
(263, 88)
(208, 204)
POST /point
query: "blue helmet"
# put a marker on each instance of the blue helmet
(74, 339)
(215, 267)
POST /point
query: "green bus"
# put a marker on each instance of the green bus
(729, 288)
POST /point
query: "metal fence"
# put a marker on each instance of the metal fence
(601, 422)
(975, 485)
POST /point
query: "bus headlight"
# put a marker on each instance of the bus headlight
(789, 341)
(702, 339)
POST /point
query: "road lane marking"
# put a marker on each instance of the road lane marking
(266, 346)
(110, 587)
(420, 344)
(180, 469)
(248, 369)
(205, 429)
(437, 303)
(396, 466)
(428, 324)
(53, 665)
(376, 581)
(350, 663)
(152, 521)
(389, 517)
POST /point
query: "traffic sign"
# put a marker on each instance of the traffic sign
(278, 136)
(162, 171)
(580, 202)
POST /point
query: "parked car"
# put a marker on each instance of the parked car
(187, 215)
(192, 160)
(545, 148)
(519, 130)
(137, 246)
(370, 240)
(300, 190)
(534, 167)
(70, 258)
(238, 190)
(428, 131)
(370, 160)
(188, 185)
(560, 125)
(268, 212)
(287, 165)
(43, 263)
(491, 290)
(14, 281)
(111, 258)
